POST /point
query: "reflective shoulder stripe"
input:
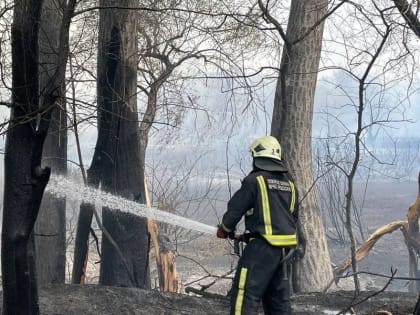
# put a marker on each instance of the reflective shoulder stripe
(265, 205)
(293, 198)
(241, 291)
(281, 240)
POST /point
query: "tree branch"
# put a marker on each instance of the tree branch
(405, 9)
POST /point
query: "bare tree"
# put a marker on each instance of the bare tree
(357, 143)
(50, 227)
(20, 199)
(25, 178)
(291, 124)
(368, 77)
(117, 150)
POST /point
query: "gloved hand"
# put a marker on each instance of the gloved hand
(221, 233)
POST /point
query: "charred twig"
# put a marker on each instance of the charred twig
(353, 303)
(208, 274)
(203, 293)
(95, 238)
(195, 261)
(224, 276)
(379, 275)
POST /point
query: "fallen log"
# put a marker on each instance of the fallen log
(103, 300)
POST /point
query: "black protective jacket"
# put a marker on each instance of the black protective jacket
(269, 202)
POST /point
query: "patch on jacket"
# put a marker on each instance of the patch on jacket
(275, 184)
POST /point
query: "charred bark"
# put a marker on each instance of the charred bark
(81, 244)
(116, 163)
(25, 180)
(124, 229)
(50, 227)
(84, 221)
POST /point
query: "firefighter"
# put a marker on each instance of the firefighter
(268, 199)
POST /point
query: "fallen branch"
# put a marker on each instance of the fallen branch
(348, 275)
(364, 249)
(204, 293)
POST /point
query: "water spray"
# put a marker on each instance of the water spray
(61, 186)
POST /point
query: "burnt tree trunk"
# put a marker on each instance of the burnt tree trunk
(116, 164)
(25, 180)
(121, 172)
(50, 227)
(124, 229)
(81, 243)
(84, 221)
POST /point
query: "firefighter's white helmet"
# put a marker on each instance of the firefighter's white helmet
(267, 146)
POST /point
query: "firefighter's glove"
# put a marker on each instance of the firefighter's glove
(221, 233)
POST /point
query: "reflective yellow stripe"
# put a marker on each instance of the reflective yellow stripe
(292, 203)
(241, 291)
(281, 240)
(265, 205)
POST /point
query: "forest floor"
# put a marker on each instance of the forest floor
(102, 300)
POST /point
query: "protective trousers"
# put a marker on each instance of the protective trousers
(261, 276)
